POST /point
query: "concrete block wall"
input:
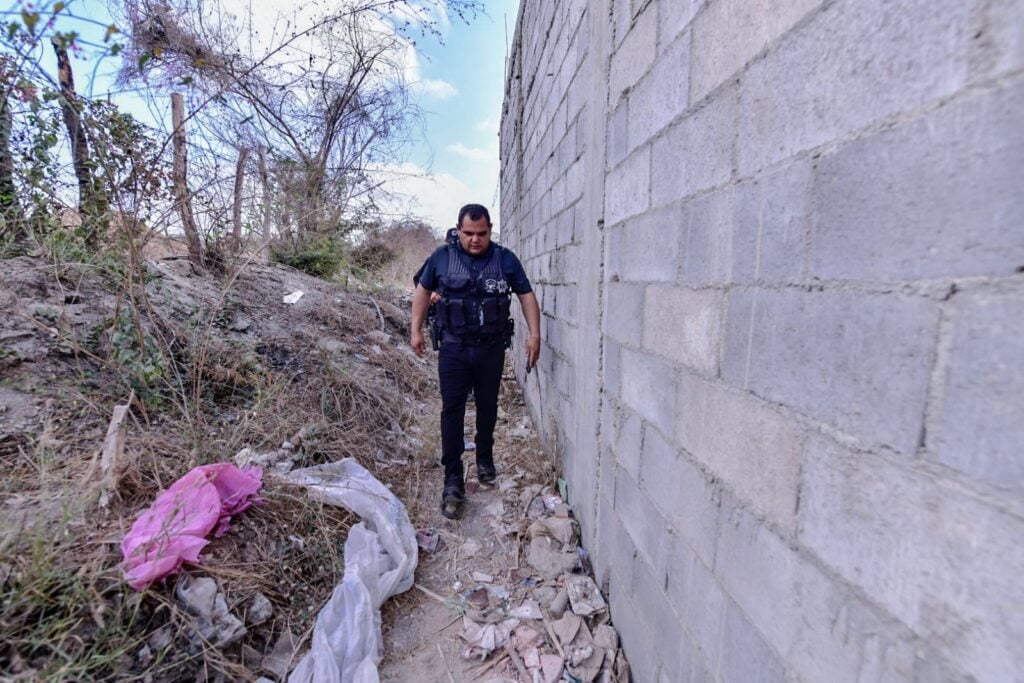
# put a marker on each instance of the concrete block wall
(779, 246)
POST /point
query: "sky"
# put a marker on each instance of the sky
(458, 82)
(462, 89)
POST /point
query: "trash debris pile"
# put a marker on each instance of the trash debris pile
(540, 617)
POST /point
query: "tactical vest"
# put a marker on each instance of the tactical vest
(475, 307)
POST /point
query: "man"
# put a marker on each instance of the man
(475, 279)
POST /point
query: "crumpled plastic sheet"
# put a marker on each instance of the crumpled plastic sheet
(380, 558)
(173, 529)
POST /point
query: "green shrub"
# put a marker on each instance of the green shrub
(321, 258)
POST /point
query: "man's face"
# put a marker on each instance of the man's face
(475, 235)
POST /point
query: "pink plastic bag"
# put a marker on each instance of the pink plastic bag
(173, 529)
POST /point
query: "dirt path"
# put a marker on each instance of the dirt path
(480, 573)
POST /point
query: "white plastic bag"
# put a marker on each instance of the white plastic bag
(380, 558)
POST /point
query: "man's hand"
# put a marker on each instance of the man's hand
(419, 345)
(420, 302)
(532, 351)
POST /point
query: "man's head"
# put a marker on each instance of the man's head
(474, 228)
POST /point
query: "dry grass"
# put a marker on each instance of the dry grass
(65, 611)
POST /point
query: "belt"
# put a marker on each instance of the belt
(492, 340)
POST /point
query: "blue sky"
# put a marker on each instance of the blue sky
(460, 145)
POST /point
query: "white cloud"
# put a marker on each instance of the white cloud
(471, 153)
(438, 89)
(489, 125)
(435, 198)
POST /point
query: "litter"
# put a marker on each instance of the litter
(480, 577)
(428, 539)
(173, 529)
(293, 297)
(528, 610)
(380, 558)
(483, 640)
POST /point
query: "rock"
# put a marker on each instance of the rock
(260, 610)
(240, 325)
(547, 557)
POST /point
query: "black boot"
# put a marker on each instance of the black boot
(485, 472)
(452, 496)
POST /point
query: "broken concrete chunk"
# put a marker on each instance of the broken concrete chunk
(527, 636)
(547, 557)
(559, 603)
(552, 666)
(563, 530)
(606, 637)
(566, 628)
(584, 595)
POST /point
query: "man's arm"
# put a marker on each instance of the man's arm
(531, 309)
(420, 303)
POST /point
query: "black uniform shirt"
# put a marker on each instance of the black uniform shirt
(437, 265)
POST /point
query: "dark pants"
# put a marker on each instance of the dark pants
(461, 368)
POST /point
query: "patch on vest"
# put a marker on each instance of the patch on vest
(492, 286)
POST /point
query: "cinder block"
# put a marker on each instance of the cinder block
(697, 152)
(729, 33)
(736, 348)
(684, 325)
(641, 520)
(664, 623)
(771, 225)
(858, 361)
(980, 430)
(662, 94)
(1003, 30)
(933, 555)
(627, 187)
(566, 304)
(745, 654)
(690, 503)
(623, 319)
(627, 438)
(673, 17)
(852, 64)
(678, 567)
(649, 387)
(634, 57)
(635, 634)
(704, 616)
(611, 367)
(707, 255)
(645, 248)
(825, 632)
(938, 197)
(754, 450)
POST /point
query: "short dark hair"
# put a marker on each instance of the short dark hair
(475, 211)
